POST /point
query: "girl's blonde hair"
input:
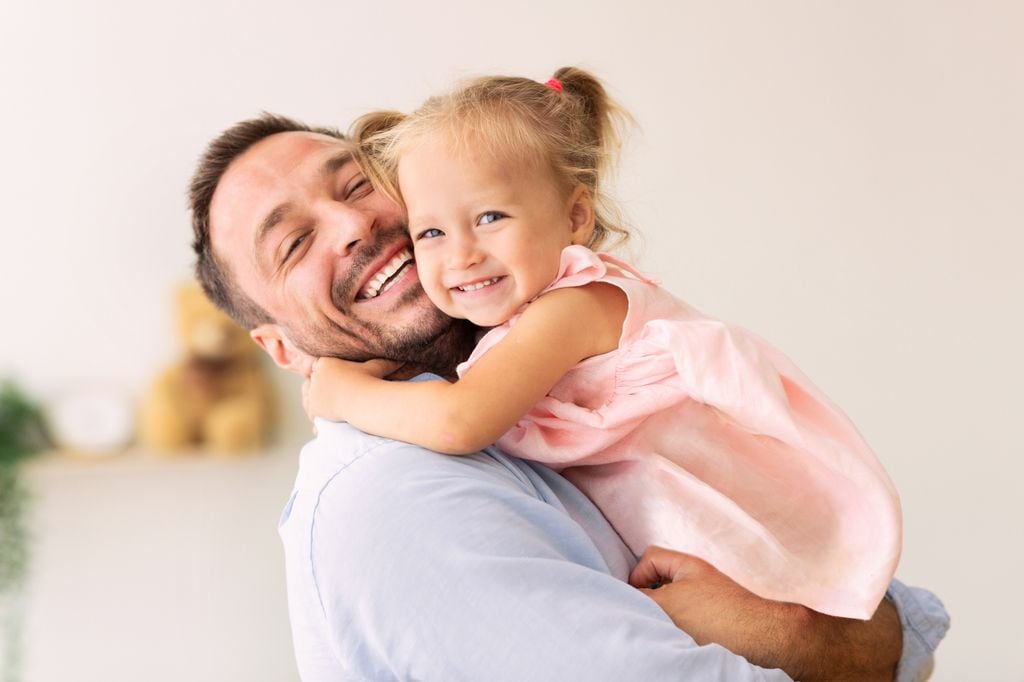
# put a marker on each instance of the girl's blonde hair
(568, 125)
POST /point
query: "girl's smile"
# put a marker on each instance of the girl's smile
(487, 233)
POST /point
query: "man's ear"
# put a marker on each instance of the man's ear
(271, 338)
(581, 215)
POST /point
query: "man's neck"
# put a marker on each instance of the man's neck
(443, 354)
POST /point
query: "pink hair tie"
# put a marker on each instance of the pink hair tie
(554, 84)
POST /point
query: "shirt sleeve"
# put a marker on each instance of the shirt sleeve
(925, 622)
(450, 569)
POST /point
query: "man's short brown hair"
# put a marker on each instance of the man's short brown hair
(211, 271)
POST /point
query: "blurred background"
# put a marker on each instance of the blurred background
(844, 178)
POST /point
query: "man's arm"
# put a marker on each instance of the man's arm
(925, 622)
(433, 567)
(809, 645)
(485, 567)
(901, 637)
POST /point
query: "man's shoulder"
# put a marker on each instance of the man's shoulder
(341, 452)
(354, 489)
(370, 470)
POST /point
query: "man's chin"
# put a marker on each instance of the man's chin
(417, 338)
(408, 335)
(442, 351)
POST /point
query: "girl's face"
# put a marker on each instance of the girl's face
(487, 234)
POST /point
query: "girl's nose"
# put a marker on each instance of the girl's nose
(463, 252)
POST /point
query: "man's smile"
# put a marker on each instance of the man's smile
(383, 278)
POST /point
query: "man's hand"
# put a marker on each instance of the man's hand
(333, 384)
(806, 644)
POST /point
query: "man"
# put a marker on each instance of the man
(404, 564)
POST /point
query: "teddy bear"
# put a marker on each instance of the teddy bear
(217, 395)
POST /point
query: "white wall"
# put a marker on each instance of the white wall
(157, 569)
(843, 177)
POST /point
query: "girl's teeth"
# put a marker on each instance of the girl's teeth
(479, 285)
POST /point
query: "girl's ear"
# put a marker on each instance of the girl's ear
(581, 215)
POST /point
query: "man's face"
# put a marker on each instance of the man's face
(305, 236)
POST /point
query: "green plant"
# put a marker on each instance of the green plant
(21, 434)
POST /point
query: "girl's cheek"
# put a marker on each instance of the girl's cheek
(429, 275)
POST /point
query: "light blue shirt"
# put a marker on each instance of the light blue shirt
(404, 564)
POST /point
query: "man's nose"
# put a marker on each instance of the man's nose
(348, 224)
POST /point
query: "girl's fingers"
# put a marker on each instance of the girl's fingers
(381, 368)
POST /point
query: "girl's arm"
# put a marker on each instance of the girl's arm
(555, 332)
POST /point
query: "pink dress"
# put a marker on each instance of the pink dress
(701, 437)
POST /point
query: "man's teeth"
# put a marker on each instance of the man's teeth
(478, 285)
(385, 277)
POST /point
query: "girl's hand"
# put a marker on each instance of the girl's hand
(333, 385)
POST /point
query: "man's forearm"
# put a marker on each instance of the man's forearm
(807, 645)
(840, 649)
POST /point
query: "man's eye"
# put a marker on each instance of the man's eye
(490, 217)
(293, 246)
(360, 188)
(430, 233)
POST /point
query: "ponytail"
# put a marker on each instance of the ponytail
(596, 121)
(601, 118)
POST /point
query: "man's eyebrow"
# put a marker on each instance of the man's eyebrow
(268, 224)
(336, 162)
(330, 166)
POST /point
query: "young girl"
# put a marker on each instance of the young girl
(687, 432)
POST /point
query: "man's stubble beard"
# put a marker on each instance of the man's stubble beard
(431, 342)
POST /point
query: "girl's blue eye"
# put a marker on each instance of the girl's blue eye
(430, 233)
(489, 217)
